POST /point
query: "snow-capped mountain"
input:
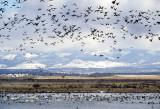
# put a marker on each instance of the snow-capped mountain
(127, 58)
(90, 64)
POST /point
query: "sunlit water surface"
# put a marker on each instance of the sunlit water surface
(80, 101)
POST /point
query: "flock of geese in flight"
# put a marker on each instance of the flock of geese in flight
(52, 25)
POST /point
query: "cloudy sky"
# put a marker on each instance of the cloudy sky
(79, 33)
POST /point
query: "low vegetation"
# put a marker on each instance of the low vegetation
(112, 86)
(33, 87)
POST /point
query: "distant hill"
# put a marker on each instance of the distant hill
(84, 71)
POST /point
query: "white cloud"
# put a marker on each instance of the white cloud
(139, 4)
(156, 63)
(141, 54)
(2, 66)
(63, 54)
(9, 56)
(125, 52)
(151, 52)
(98, 52)
(57, 65)
(91, 64)
(26, 65)
(29, 55)
(141, 61)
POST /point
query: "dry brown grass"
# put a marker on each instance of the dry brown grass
(111, 87)
(138, 77)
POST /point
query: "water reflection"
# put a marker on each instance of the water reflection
(80, 101)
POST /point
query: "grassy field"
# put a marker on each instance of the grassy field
(110, 87)
(144, 77)
(131, 77)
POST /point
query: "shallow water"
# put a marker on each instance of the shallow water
(80, 101)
